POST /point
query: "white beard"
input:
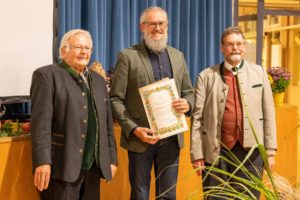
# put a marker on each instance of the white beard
(156, 45)
(235, 58)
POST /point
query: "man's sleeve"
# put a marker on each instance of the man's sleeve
(118, 94)
(111, 136)
(196, 148)
(268, 107)
(41, 96)
(187, 91)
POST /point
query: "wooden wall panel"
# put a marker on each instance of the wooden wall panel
(286, 158)
(16, 180)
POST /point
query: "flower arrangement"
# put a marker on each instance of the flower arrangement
(97, 67)
(279, 79)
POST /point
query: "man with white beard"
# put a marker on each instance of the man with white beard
(230, 99)
(138, 66)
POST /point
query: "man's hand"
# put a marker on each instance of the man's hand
(181, 106)
(42, 177)
(146, 135)
(271, 161)
(113, 170)
(199, 165)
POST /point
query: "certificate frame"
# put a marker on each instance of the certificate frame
(157, 100)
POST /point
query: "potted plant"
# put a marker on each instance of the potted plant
(279, 79)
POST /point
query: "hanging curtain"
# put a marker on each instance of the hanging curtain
(195, 27)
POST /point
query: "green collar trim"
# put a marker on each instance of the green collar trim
(69, 69)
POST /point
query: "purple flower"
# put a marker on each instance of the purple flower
(280, 78)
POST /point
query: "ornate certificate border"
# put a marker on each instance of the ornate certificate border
(169, 86)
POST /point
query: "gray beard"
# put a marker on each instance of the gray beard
(156, 45)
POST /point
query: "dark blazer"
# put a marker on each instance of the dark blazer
(59, 122)
(134, 70)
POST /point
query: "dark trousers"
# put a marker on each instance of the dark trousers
(86, 187)
(165, 156)
(254, 165)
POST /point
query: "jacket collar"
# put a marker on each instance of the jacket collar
(69, 69)
(222, 68)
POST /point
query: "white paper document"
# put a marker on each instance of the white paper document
(157, 99)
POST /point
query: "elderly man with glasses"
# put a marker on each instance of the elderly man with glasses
(73, 143)
(233, 112)
(138, 66)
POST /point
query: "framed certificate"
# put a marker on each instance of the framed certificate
(157, 100)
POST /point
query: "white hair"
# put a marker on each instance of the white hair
(143, 17)
(68, 35)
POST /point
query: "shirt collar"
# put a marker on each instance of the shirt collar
(229, 66)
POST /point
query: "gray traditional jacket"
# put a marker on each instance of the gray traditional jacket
(210, 99)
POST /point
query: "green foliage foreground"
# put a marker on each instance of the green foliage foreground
(273, 187)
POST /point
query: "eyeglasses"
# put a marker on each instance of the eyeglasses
(79, 48)
(162, 24)
(234, 44)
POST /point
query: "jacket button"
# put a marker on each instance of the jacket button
(85, 121)
(83, 94)
(82, 136)
(84, 107)
(80, 150)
